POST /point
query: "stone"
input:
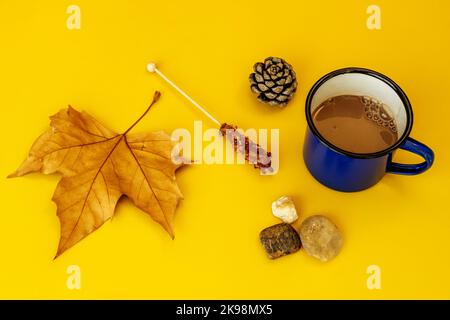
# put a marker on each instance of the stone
(280, 240)
(320, 237)
(284, 208)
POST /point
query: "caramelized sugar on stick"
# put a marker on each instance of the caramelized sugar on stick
(254, 153)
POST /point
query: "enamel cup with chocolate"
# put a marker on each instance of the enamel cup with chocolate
(357, 118)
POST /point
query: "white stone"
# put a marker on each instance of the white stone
(284, 208)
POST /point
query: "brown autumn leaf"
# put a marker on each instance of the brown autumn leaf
(98, 167)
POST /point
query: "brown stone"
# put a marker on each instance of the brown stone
(280, 240)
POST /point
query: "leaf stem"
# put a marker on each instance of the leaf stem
(155, 99)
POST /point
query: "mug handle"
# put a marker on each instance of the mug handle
(418, 148)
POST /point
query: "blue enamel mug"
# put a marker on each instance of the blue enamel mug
(348, 171)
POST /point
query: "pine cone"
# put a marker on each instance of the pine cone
(274, 81)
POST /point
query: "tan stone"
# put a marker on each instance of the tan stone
(320, 237)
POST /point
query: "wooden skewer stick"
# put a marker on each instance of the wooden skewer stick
(151, 67)
(253, 152)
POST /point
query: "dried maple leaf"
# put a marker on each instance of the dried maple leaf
(98, 167)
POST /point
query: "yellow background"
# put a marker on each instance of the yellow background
(402, 224)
